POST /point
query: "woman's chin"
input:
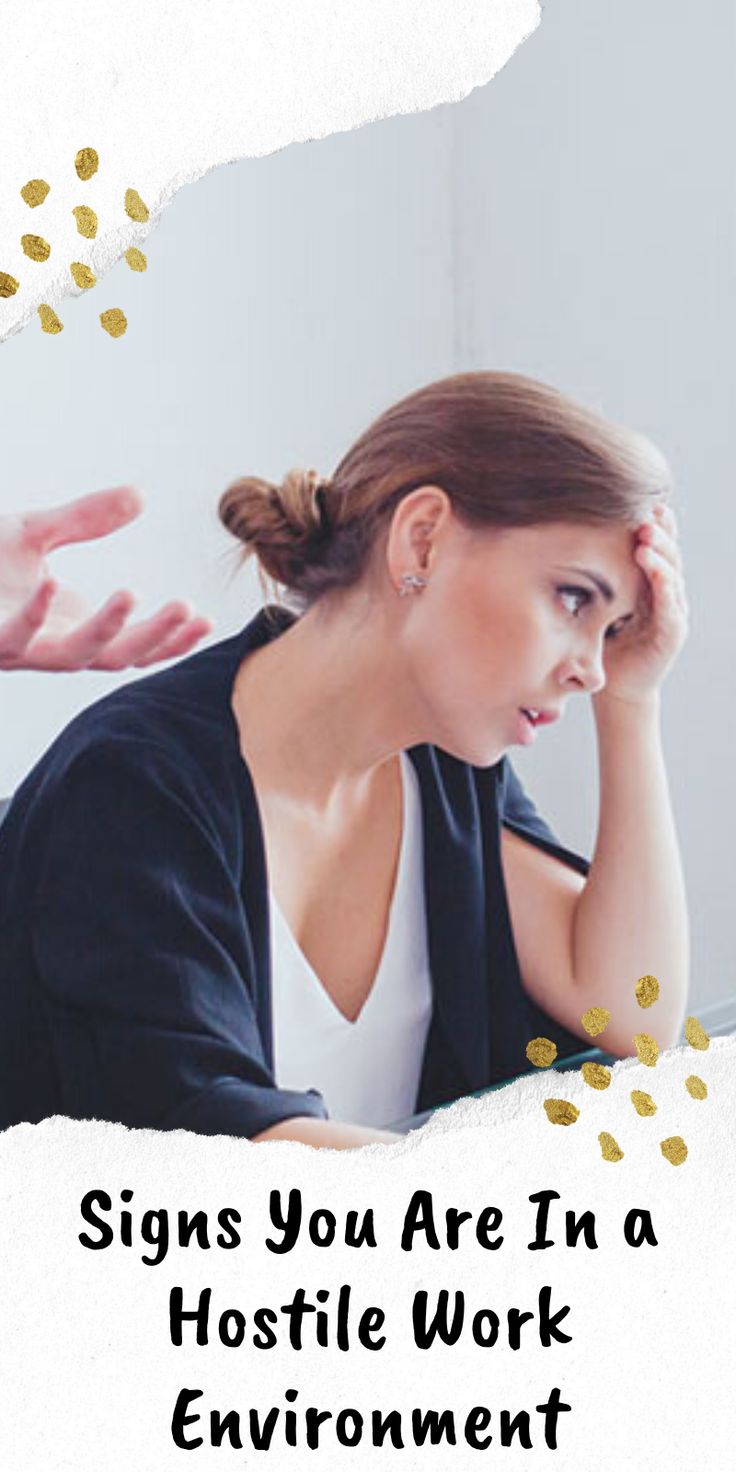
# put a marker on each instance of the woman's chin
(476, 753)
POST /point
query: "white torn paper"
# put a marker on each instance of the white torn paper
(92, 1378)
(165, 92)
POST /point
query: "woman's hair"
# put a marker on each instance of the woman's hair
(508, 451)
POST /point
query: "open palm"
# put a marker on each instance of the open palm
(44, 626)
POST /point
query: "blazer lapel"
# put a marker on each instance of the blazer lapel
(456, 925)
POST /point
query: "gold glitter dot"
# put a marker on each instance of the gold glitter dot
(646, 1049)
(647, 990)
(34, 192)
(114, 321)
(86, 221)
(643, 1103)
(596, 1075)
(136, 259)
(35, 247)
(610, 1150)
(82, 275)
(541, 1052)
(8, 284)
(696, 1034)
(559, 1111)
(696, 1087)
(674, 1149)
(87, 162)
(134, 206)
(595, 1020)
(49, 320)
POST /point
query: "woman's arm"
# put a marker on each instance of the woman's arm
(584, 943)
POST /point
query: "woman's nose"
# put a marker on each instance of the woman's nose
(585, 671)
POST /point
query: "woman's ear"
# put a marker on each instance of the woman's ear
(415, 532)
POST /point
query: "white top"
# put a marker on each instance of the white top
(367, 1070)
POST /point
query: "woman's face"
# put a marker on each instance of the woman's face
(511, 624)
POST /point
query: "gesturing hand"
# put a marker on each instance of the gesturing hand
(46, 627)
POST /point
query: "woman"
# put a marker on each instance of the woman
(291, 888)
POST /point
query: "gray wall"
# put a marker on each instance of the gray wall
(574, 219)
(287, 300)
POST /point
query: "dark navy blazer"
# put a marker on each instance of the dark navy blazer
(134, 924)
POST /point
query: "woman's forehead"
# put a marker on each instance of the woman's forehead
(569, 547)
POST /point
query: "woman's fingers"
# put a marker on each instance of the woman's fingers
(83, 520)
(663, 541)
(666, 585)
(660, 537)
(666, 517)
(17, 632)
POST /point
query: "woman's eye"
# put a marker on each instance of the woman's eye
(574, 600)
(613, 631)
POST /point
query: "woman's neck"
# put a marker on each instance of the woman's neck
(321, 707)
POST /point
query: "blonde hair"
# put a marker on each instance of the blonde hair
(507, 450)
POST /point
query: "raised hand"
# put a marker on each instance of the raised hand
(638, 659)
(44, 626)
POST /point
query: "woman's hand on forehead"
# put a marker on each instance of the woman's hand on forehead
(640, 655)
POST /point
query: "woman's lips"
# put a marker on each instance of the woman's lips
(529, 718)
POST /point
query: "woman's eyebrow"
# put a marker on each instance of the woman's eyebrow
(604, 588)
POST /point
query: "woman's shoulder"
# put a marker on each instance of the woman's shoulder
(169, 733)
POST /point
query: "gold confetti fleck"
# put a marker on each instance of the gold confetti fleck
(35, 247)
(647, 1050)
(114, 321)
(137, 261)
(134, 206)
(643, 1103)
(86, 221)
(87, 162)
(82, 275)
(610, 1150)
(647, 991)
(559, 1111)
(49, 320)
(541, 1052)
(596, 1075)
(696, 1087)
(674, 1149)
(8, 284)
(34, 192)
(696, 1034)
(596, 1020)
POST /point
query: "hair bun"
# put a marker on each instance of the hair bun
(301, 497)
(286, 526)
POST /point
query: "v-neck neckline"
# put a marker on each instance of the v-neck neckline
(394, 903)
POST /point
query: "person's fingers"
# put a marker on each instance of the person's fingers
(666, 517)
(180, 643)
(17, 632)
(82, 520)
(662, 540)
(79, 649)
(140, 644)
(669, 604)
(666, 547)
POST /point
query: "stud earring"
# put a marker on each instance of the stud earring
(411, 582)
